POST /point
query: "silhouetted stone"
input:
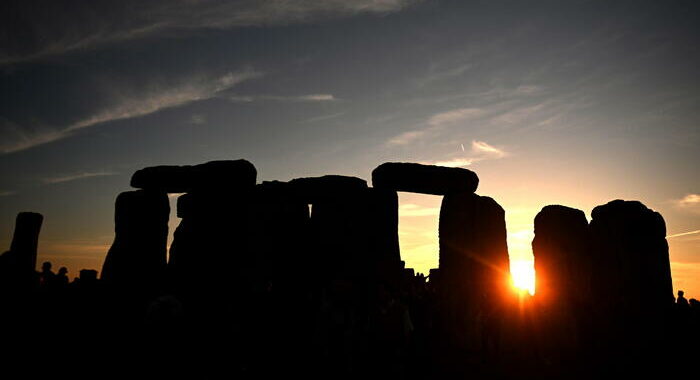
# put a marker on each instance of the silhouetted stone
(563, 264)
(315, 189)
(426, 179)
(632, 287)
(280, 232)
(211, 176)
(210, 248)
(17, 265)
(473, 241)
(137, 258)
(357, 235)
(474, 265)
(562, 254)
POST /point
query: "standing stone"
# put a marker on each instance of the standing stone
(18, 264)
(426, 179)
(474, 265)
(473, 242)
(562, 255)
(137, 259)
(561, 248)
(354, 228)
(279, 234)
(632, 288)
(211, 250)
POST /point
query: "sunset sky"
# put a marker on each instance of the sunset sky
(550, 102)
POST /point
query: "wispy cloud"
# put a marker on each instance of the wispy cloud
(453, 116)
(75, 177)
(126, 104)
(486, 150)
(198, 119)
(60, 29)
(406, 137)
(434, 124)
(297, 98)
(690, 202)
(412, 209)
(323, 117)
(480, 151)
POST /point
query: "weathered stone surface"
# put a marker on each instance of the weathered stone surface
(17, 265)
(474, 282)
(426, 179)
(632, 285)
(279, 233)
(317, 189)
(561, 249)
(213, 175)
(210, 249)
(137, 257)
(631, 256)
(473, 241)
(563, 264)
(357, 235)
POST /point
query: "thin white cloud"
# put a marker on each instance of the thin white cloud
(434, 124)
(411, 210)
(480, 151)
(406, 138)
(485, 149)
(690, 202)
(452, 163)
(74, 177)
(453, 116)
(198, 119)
(323, 117)
(58, 31)
(128, 104)
(297, 98)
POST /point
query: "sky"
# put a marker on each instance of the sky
(549, 102)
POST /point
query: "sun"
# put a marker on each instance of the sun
(522, 274)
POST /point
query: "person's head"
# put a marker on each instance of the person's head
(63, 271)
(46, 266)
(680, 293)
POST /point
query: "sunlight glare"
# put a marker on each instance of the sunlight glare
(523, 275)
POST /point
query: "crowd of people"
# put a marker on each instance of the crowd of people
(343, 328)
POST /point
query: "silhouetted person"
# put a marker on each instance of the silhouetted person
(47, 276)
(61, 278)
(682, 302)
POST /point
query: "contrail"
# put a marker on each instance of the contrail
(684, 233)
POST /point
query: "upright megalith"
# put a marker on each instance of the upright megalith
(473, 245)
(279, 230)
(564, 269)
(561, 248)
(426, 179)
(137, 259)
(220, 176)
(336, 222)
(474, 264)
(353, 228)
(633, 272)
(210, 253)
(18, 264)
